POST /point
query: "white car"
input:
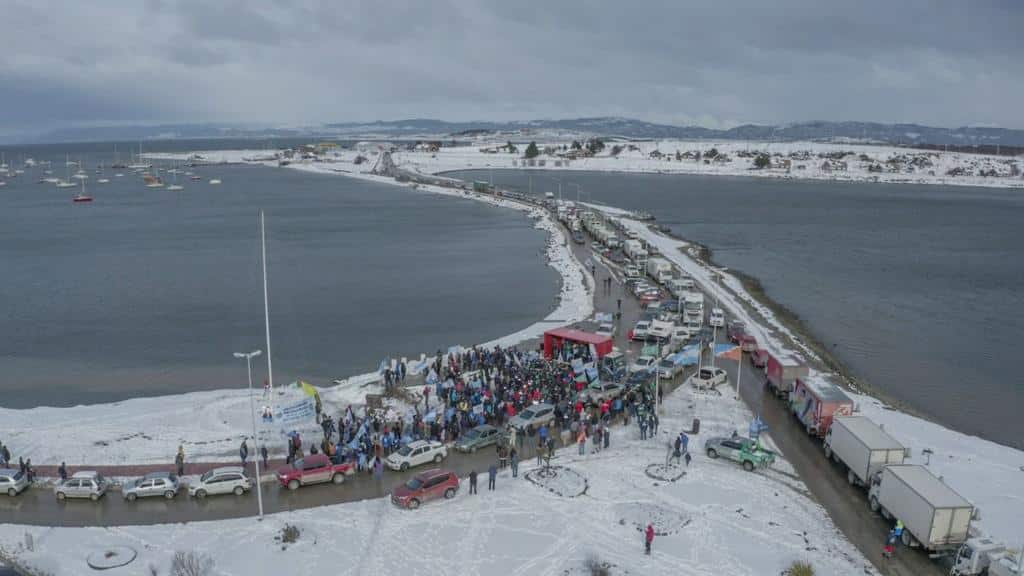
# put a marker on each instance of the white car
(681, 334)
(717, 318)
(416, 453)
(226, 480)
(533, 417)
(632, 271)
(708, 378)
(12, 481)
(606, 329)
(86, 484)
(640, 330)
(643, 364)
(668, 369)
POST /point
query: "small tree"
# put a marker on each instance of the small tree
(713, 153)
(576, 145)
(532, 151)
(511, 147)
(616, 150)
(762, 161)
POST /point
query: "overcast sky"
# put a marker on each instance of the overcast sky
(715, 64)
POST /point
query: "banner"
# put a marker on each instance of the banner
(299, 412)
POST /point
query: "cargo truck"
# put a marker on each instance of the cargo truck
(816, 403)
(933, 514)
(660, 270)
(782, 372)
(863, 447)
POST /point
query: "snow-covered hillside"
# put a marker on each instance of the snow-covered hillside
(810, 160)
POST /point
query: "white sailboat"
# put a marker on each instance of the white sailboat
(66, 183)
(139, 164)
(175, 186)
(215, 181)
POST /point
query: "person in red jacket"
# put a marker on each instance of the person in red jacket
(648, 538)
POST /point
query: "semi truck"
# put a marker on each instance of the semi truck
(782, 372)
(934, 516)
(632, 247)
(863, 447)
(816, 403)
(660, 270)
(693, 305)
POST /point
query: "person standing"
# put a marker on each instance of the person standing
(648, 538)
(514, 461)
(472, 481)
(581, 440)
(492, 473)
(179, 460)
(63, 472)
(643, 428)
(263, 454)
(243, 452)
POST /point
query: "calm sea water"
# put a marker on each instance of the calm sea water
(919, 289)
(147, 291)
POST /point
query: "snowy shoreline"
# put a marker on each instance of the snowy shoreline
(148, 430)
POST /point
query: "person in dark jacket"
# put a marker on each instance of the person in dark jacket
(263, 455)
(63, 472)
(243, 452)
(492, 473)
(514, 460)
(472, 481)
(179, 460)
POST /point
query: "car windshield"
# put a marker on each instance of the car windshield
(404, 450)
(474, 433)
(526, 414)
(414, 484)
(666, 364)
(18, 475)
(705, 373)
(206, 477)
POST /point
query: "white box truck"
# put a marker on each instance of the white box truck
(862, 446)
(933, 514)
(660, 270)
(631, 247)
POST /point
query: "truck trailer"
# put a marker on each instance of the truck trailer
(815, 404)
(863, 447)
(782, 372)
(660, 270)
(933, 514)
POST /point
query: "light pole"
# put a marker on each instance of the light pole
(252, 412)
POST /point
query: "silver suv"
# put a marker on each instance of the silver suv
(87, 484)
(533, 416)
(154, 484)
(12, 482)
(227, 480)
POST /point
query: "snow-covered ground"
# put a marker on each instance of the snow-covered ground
(211, 425)
(798, 160)
(716, 519)
(989, 475)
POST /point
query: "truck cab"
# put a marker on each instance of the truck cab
(613, 365)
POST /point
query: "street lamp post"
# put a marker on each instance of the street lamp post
(252, 412)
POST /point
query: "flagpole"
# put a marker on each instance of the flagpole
(266, 310)
(739, 372)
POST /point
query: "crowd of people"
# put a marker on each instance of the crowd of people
(469, 387)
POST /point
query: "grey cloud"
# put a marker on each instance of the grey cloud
(713, 63)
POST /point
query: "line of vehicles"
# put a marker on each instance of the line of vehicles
(935, 517)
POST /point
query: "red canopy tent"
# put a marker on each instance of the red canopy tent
(559, 336)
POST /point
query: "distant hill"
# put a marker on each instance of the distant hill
(907, 134)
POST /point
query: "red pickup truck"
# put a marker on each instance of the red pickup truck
(313, 469)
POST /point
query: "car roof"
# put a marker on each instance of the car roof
(432, 473)
(539, 406)
(153, 475)
(8, 471)
(227, 469)
(419, 443)
(85, 474)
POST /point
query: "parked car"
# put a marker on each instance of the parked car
(480, 437)
(153, 484)
(735, 330)
(738, 449)
(639, 379)
(668, 369)
(606, 329)
(85, 484)
(425, 486)
(708, 378)
(639, 331)
(226, 480)
(600, 391)
(416, 453)
(532, 417)
(13, 482)
(643, 364)
(680, 334)
(312, 469)
(717, 318)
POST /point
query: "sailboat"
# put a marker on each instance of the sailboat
(66, 183)
(139, 164)
(154, 181)
(82, 196)
(175, 186)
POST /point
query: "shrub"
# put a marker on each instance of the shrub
(800, 568)
(595, 567)
(191, 564)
